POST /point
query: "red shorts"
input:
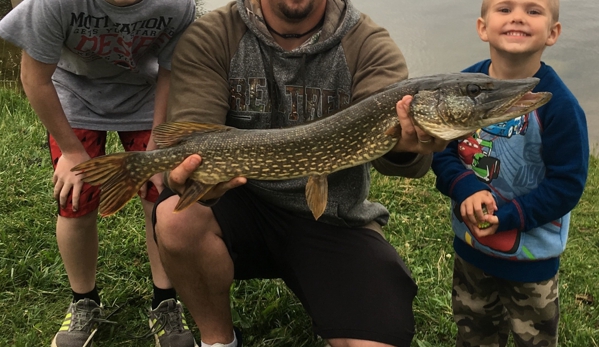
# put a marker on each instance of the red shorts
(94, 143)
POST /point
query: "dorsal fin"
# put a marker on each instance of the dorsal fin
(171, 133)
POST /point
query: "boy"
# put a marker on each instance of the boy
(89, 67)
(521, 178)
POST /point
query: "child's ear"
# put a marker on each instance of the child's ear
(554, 32)
(481, 28)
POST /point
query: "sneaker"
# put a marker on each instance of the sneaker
(169, 327)
(79, 325)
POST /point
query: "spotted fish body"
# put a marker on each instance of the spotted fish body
(445, 106)
(288, 153)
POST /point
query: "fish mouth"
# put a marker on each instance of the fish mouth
(512, 98)
(521, 104)
(529, 100)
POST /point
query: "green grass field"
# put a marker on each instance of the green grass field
(34, 289)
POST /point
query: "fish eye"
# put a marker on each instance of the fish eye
(473, 90)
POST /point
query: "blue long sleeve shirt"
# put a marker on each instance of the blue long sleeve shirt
(536, 168)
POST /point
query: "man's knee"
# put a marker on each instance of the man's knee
(178, 230)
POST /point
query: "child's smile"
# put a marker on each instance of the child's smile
(516, 33)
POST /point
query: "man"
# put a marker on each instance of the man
(278, 63)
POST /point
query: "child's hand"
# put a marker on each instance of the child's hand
(66, 181)
(477, 208)
(479, 230)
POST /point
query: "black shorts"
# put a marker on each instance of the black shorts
(351, 281)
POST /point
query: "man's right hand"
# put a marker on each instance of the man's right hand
(64, 180)
(179, 175)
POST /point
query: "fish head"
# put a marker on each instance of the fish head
(452, 106)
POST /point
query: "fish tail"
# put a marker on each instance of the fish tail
(119, 175)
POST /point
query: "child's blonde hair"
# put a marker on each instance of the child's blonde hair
(553, 7)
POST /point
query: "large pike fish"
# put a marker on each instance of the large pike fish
(446, 106)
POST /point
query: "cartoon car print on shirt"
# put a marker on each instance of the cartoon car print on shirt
(516, 126)
(474, 153)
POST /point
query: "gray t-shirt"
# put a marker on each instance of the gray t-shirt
(107, 56)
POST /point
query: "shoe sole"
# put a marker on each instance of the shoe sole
(54, 343)
(91, 343)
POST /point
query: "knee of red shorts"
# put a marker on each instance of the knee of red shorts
(89, 200)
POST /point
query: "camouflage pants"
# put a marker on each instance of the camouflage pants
(487, 308)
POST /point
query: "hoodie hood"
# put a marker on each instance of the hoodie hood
(339, 18)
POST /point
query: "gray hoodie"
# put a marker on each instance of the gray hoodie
(228, 69)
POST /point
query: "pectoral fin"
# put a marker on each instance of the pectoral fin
(317, 194)
(193, 192)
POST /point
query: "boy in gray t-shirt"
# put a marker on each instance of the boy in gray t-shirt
(89, 67)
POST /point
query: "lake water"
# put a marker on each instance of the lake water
(440, 36)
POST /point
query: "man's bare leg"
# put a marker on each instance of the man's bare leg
(199, 265)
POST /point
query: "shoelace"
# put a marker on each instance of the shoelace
(168, 321)
(87, 320)
(83, 321)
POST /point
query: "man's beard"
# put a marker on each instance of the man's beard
(296, 14)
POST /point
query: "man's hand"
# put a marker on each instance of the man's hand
(179, 175)
(413, 139)
(64, 180)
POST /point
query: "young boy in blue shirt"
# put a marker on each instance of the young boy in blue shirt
(512, 187)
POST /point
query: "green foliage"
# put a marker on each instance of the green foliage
(34, 290)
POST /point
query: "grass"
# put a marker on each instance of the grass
(34, 289)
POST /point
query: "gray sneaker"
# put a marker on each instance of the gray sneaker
(79, 325)
(169, 327)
